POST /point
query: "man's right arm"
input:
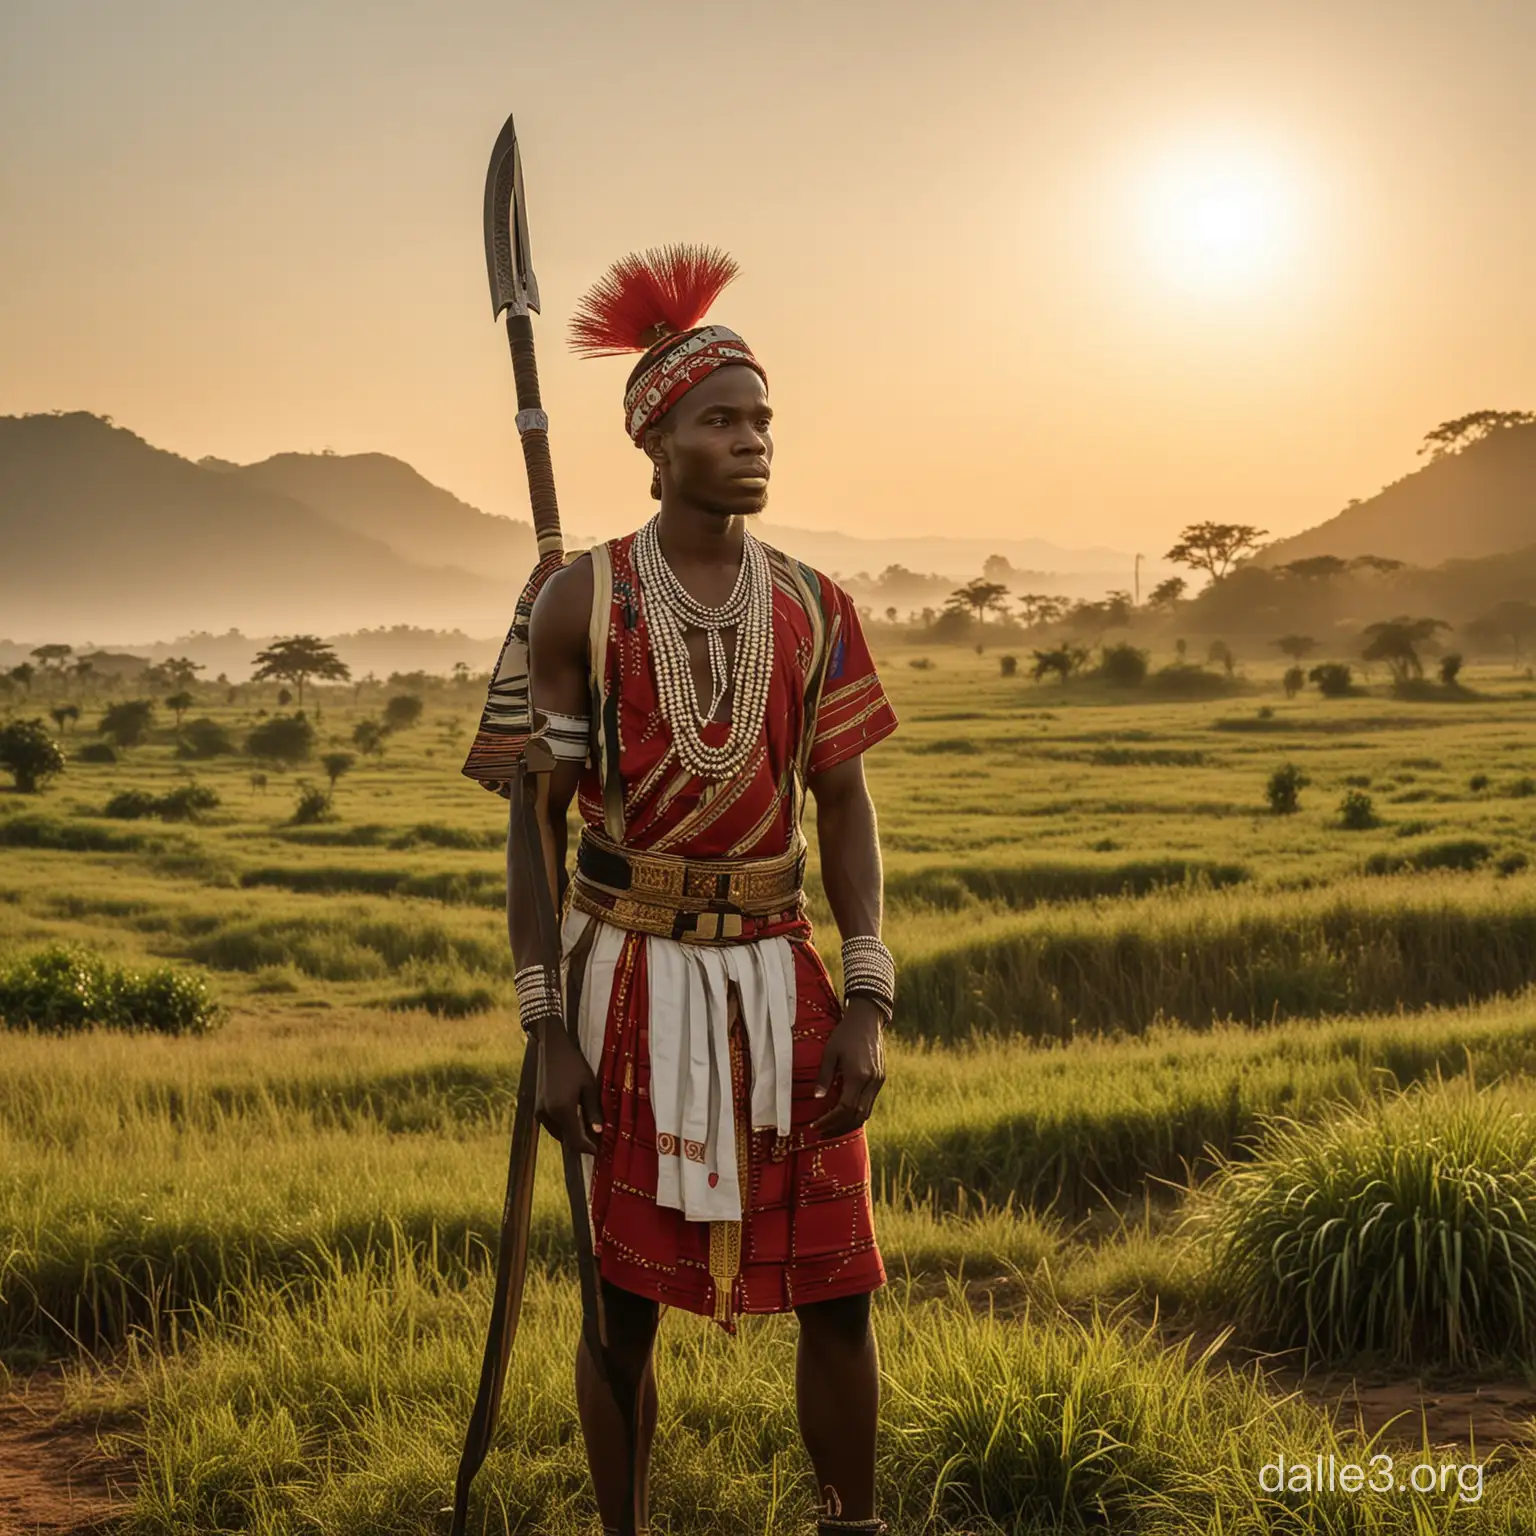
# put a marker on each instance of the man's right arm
(568, 1103)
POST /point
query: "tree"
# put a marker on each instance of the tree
(1123, 666)
(284, 739)
(1315, 568)
(890, 615)
(1220, 653)
(1450, 669)
(1396, 642)
(128, 721)
(979, 595)
(63, 714)
(1041, 608)
(181, 672)
(1212, 547)
(1333, 679)
(996, 568)
(1064, 660)
(336, 764)
(1514, 621)
(402, 711)
(51, 658)
(181, 703)
(29, 754)
(460, 673)
(1462, 431)
(1166, 593)
(1294, 681)
(1381, 564)
(1297, 647)
(23, 672)
(368, 737)
(297, 659)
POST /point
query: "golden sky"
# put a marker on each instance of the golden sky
(1078, 269)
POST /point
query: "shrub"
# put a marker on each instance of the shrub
(180, 804)
(30, 754)
(1406, 1227)
(1512, 864)
(1477, 783)
(1178, 680)
(1450, 669)
(1522, 789)
(1294, 681)
(922, 663)
(282, 739)
(1356, 813)
(62, 989)
(97, 752)
(1008, 665)
(1284, 789)
(1123, 666)
(205, 738)
(1463, 853)
(368, 736)
(1334, 679)
(402, 711)
(1266, 712)
(128, 721)
(313, 805)
(336, 764)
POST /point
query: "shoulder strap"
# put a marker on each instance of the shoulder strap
(605, 709)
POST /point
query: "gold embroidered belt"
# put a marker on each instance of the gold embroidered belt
(697, 901)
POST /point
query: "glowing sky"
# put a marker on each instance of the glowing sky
(1083, 270)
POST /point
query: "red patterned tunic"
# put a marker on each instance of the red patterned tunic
(807, 1231)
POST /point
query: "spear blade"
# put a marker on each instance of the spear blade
(508, 261)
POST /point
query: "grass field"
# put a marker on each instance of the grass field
(266, 1248)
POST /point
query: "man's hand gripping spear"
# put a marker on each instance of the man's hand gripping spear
(511, 744)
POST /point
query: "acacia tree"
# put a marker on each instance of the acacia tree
(23, 672)
(1040, 608)
(980, 595)
(1462, 431)
(51, 658)
(298, 658)
(1315, 568)
(1213, 547)
(1297, 647)
(180, 703)
(1396, 642)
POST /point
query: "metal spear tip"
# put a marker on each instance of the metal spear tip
(507, 260)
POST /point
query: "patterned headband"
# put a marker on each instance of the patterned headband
(640, 302)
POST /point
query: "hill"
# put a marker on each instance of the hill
(384, 498)
(106, 535)
(1462, 506)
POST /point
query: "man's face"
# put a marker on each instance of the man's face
(717, 447)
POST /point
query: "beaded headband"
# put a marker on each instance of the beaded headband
(652, 303)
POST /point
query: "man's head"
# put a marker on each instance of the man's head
(697, 401)
(714, 447)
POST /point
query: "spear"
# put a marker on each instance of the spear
(510, 755)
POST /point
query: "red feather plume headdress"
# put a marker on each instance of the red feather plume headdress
(642, 298)
(652, 303)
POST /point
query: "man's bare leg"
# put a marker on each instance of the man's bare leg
(837, 1394)
(631, 1333)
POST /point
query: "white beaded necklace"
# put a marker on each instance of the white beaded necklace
(670, 609)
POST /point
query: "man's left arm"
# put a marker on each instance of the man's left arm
(849, 843)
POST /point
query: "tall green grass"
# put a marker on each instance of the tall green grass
(346, 1416)
(1405, 1228)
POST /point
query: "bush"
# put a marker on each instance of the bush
(1477, 783)
(1179, 680)
(1512, 864)
(30, 754)
(368, 736)
(205, 738)
(1294, 681)
(1406, 1228)
(1284, 789)
(402, 711)
(1008, 665)
(1334, 679)
(1522, 789)
(97, 752)
(282, 739)
(1463, 853)
(181, 804)
(1123, 666)
(128, 722)
(62, 989)
(921, 663)
(1450, 669)
(1356, 812)
(313, 805)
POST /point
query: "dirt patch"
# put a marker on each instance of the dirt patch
(54, 1480)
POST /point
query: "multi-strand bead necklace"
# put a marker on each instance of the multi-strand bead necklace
(671, 610)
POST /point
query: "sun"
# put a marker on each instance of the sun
(1217, 220)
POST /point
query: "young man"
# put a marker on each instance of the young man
(696, 684)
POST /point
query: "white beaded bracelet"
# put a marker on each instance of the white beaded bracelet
(538, 996)
(869, 971)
